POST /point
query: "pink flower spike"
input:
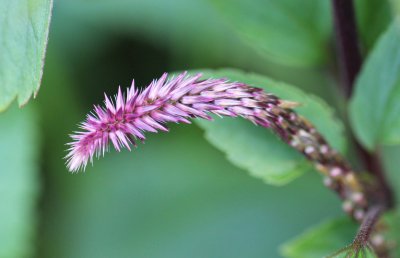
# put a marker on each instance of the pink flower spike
(128, 116)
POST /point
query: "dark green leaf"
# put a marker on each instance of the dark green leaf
(375, 106)
(373, 17)
(256, 149)
(285, 31)
(19, 151)
(24, 27)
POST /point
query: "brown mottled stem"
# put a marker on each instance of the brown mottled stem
(300, 134)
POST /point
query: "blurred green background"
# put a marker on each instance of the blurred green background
(176, 195)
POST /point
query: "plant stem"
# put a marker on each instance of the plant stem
(350, 63)
(347, 43)
(374, 166)
(367, 226)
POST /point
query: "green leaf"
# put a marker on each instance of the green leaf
(24, 28)
(390, 157)
(257, 149)
(366, 252)
(373, 17)
(322, 240)
(396, 6)
(375, 106)
(18, 182)
(334, 237)
(288, 32)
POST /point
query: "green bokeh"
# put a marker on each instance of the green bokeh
(176, 196)
(19, 181)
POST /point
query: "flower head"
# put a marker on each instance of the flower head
(125, 119)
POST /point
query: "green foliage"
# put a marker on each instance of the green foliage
(375, 107)
(390, 157)
(321, 240)
(256, 149)
(24, 27)
(396, 6)
(373, 17)
(330, 238)
(366, 252)
(282, 30)
(19, 151)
